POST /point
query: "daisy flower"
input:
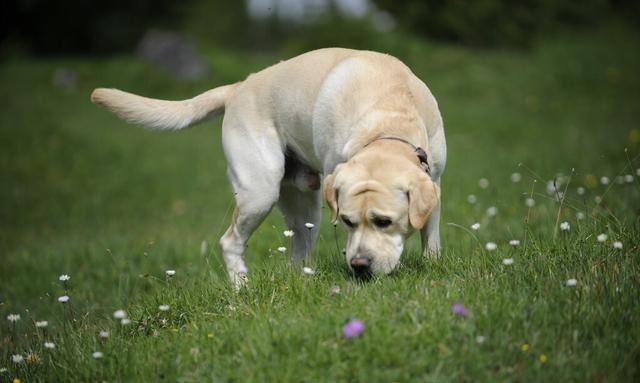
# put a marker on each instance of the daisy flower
(64, 277)
(475, 226)
(580, 190)
(288, 233)
(308, 270)
(530, 202)
(309, 225)
(491, 246)
(492, 211)
(282, 249)
(483, 183)
(13, 317)
(514, 242)
(103, 334)
(42, 323)
(49, 345)
(471, 198)
(604, 180)
(516, 177)
(17, 358)
(507, 261)
(97, 355)
(120, 314)
(125, 321)
(571, 282)
(163, 307)
(602, 237)
(63, 299)
(617, 245)
(170, 273)
(564, 226)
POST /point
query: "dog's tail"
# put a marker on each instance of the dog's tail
(162, 114)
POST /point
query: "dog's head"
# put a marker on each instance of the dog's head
(380, 202)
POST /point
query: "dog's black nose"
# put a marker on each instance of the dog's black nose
(361, 265)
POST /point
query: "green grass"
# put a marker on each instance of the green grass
(114, 207)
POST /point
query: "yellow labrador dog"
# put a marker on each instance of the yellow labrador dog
(361, 118)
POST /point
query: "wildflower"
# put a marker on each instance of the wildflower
(475, 226)
(17, 380)
(564, 226)
(602, 237)
(604, 180)
(3, 370)
(491, 246)
(471, 198)
(17, 358)
(524, 347)
(120, 314)
(492, 211)
(13, 317)
(617, 245)
(308, 270)
(203, 247)
(282, 249)
(551, 187)
(97, 355)
(514, 242)
(288, 233)
(335, 290)
(104, 334)
(628, 178)
(638, 172)
(597, 199)
(542, 358)
(579, 215)
(507, 261)
(49, 345)
(571, 282)
(530, 202)
(170, 273)
(516, 177)
(309, 225)
(63, 299)
(459, 309)
(42, 324)
(64, 278)
(580, 190)
(125, 321)
(483, 183)
(163, 307)
(353, 328)
(480, 339)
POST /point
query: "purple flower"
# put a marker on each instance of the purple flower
(459, 309)
(353, 328)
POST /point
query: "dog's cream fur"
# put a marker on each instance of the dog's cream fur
(327, 109)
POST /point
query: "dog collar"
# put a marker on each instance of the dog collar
(422, 155)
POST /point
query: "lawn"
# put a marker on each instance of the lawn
(536, 139)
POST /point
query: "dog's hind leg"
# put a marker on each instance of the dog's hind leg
(255, 169)
(301, 208)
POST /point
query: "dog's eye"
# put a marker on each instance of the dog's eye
(381, 222)
(347, 222)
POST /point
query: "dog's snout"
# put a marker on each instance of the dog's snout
(361, 265)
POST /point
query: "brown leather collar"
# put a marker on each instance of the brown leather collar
(422, 155)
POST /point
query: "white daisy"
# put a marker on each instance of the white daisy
(288, 233)
(480, 339)
(516, 177)
(530, 202)
(13, 317)
(507, 261)
(602, 237)
(492, 211)
(163, 307)
(471, 198)
(551, 187)
(483, 183)
(580, 215)
(638, 172)
(308, 270)
(491, 246)
(571, 282)
(125, 321)
(617, 245)
(514, 242)
(335, 290)
(97, 355)
(604, 180)
(282, 249)
(17, 358)
(309, 225)
(580, 190)
(64, 277)
(3, 370)
(103, 334)
(564, 226)
(63, 299)
(170, 273)
(42, 323)
(49, 345)
(475, 226)
(120, 314)
(628, 178)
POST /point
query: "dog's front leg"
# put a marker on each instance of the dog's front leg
(302, 211)
(430, 232)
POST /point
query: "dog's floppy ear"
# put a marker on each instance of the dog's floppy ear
(331, 196)
(424, 196)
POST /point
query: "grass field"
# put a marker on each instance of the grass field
(114, 207)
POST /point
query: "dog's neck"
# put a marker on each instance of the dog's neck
(419, 152)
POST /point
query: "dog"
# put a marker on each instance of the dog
(360, 118)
